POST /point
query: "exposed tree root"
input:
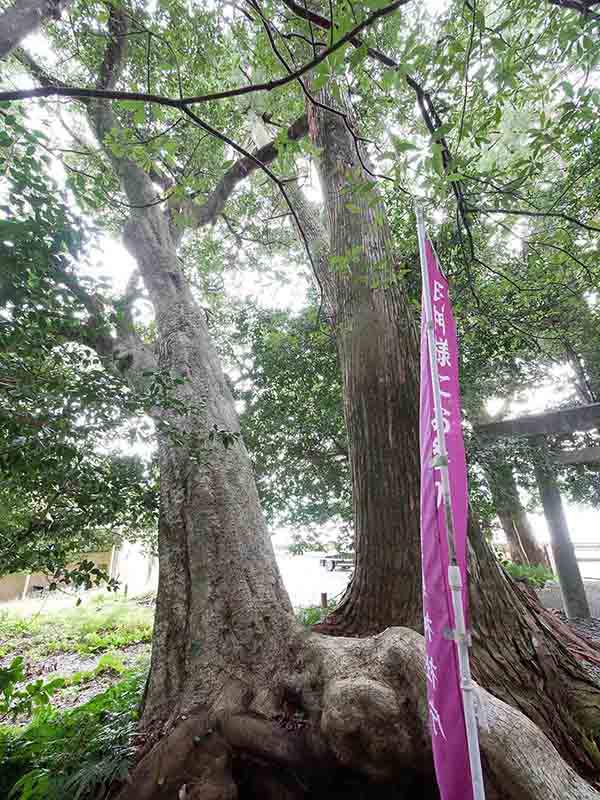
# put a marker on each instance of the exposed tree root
(353, 723)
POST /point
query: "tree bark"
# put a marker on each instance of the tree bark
(515, 649)
(223, 617)
(363, 734)
(23, 18)
(221, 604)
(377, 344)
(567, 569)
(522, 655)
(515, 548)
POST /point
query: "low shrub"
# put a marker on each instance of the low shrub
(18, 698)
(536, 576)
(72, 753)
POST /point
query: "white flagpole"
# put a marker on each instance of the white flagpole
(459, 634)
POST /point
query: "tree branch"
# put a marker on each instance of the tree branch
(583, 7)
(208, 212)
(114, 52)
(107, 77)
(259, 165)
(427, 108)
(121, 352)
(126, 349)
(95, 332)
(125, 323)
(267, 25)
(36, 70)
(137, 184)
(130, 350)
(106, 92)
(315, 236)
(524, 212)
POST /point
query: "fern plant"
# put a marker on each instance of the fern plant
(74, 753)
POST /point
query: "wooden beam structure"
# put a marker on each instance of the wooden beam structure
(537, 427)
(564, 420)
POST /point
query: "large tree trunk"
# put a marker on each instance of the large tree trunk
(516, 649)
(223, 618)
(25, 17)
(378, 350)
(249, 707)
(243, 704)
(567, 569)
(222, 615)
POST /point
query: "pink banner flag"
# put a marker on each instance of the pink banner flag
(446, 712)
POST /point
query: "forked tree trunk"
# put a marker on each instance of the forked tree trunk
(243, 698)
(250, 708)
(243, 705)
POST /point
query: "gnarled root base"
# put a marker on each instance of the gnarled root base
(353, 724)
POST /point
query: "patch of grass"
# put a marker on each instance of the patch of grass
(535, 576)
(96, 642)
(311, 615)
(73, 753)
(85, 629)
(108, 663)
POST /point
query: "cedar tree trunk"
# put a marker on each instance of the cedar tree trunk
(518, 653)
(378, 350)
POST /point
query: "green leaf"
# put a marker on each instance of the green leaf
(402, 145)
(568, 89)
(437, 161)
(441, 132)
(321, 78)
